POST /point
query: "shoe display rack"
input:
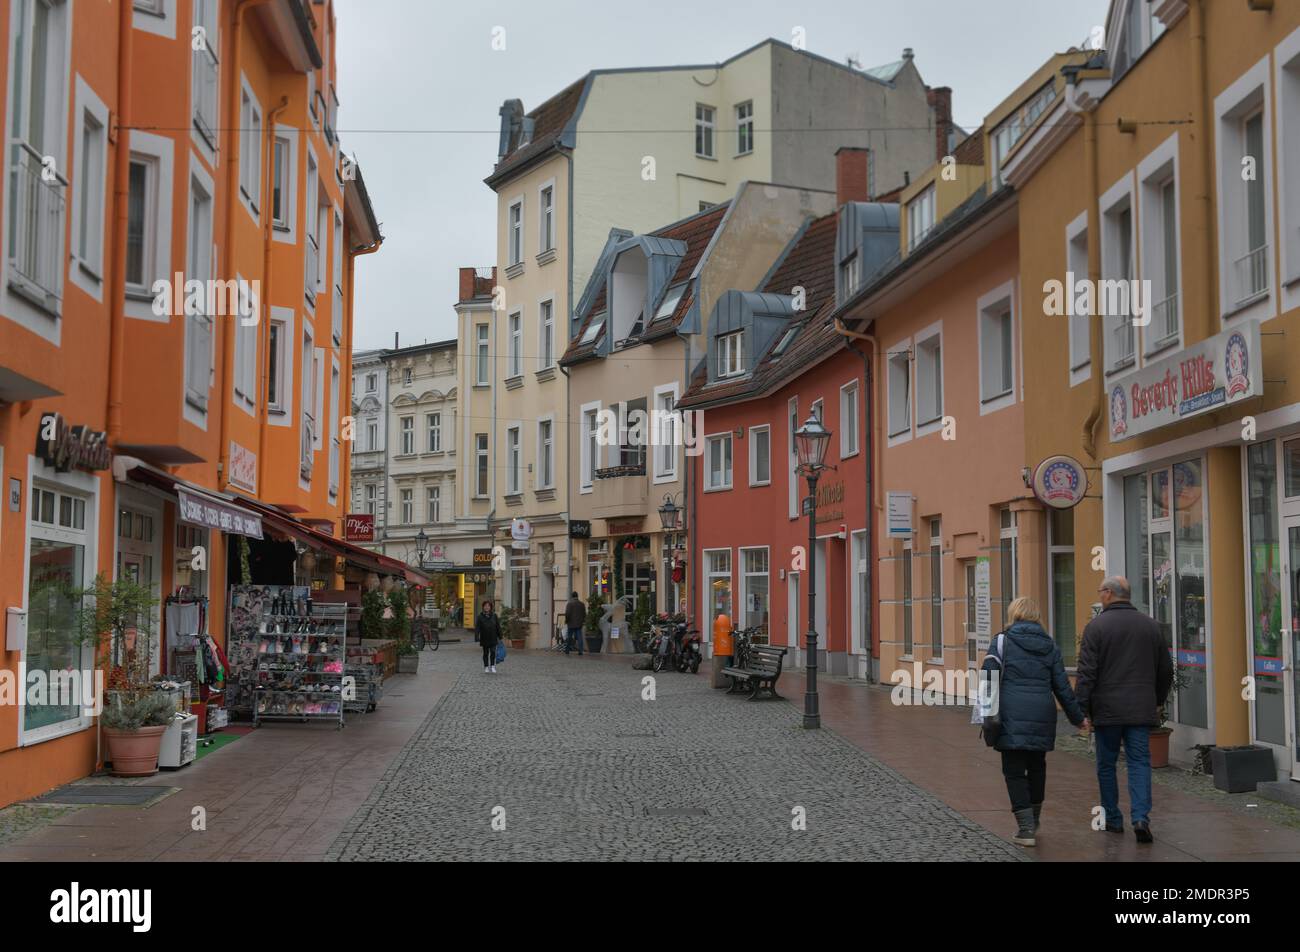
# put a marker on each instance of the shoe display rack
(288, 653)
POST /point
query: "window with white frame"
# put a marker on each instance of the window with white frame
(898, 370)
(141, 223)
(920, 217)
(848, 419)
(198, 323)
(514, 461)
(90, 179)
(282, 182)
(704, 125)
(546, 454)
(546, 318)
(372, 434)
(482, 361)
(408, 435)
(515, 232)
(905, 573)
(335, 444)
(245, 364)
(850, 275)
(406, 376)
(730, 361)
(929, 378)
(277, 375)
(433, 426)
(250, 149)
(760, 455)
(744, 128)
(1114, 299)
(996, 351)
(515, 349)
(936, 590)
(1243, 140)
(204, 86)
(337, 310)
(312, 244)
(718, 454)
(408, 506)
(1076, 266)
(433, 504)
(372, 383)
(480, 465)
(370, 498)
(666, 421)
(546, 216)
(590, 449)
(1160, 246)
(308, 431)
(754, 588)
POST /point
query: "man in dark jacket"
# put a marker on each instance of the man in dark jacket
(1125, 673)
(575, 615)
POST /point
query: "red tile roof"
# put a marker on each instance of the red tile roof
(549, 120)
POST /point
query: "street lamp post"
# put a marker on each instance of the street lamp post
(421, 547)
(811, 441)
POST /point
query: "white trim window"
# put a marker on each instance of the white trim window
(705, 122)
(407, 424)
(250, 148)
(335, 444)
(141, 223)
(408, 506)
(515, 231)
(372, 434)
(898, 385)
(755, 586)
(433, 504)
(667, 423)
(514, 461)
(205, 87)
(198, 323)
(731, 362)
(849, 420)
(1158, 210)
(760, 455)
(312, 245)
(281, 181)
(546, 453)
(546, 218)
(370, 498)
(929, 376)
(936, 590)
(480, 465)
(482, 359)
(515, 325)
(1114, 300)
(337, 309)
(717, 451)
(1245, 193)
(997, 335)
(277, 376)
(589, 451)
(745, 128)
(1076, 266)
(920, 217)
(90, 175)
(546, 327)
(307, 434)
(433, 427)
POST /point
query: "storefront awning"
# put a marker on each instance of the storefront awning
(196, 505)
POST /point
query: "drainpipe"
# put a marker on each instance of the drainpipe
(868, 415)
(1204, 207)
(349, 320)
(232, 185)
(1096, 335)
(264, 331)
(121, 195)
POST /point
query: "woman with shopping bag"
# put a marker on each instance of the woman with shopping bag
(1025, 677)
(487, 627)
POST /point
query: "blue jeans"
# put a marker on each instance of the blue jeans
(575, 638)
(1137, 753)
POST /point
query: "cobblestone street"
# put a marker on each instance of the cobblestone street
(583, 768)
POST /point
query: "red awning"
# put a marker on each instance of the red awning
(196, 505)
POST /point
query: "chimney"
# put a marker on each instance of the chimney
(851, 167)
(467, 276)
(396, 346)
(940, 100)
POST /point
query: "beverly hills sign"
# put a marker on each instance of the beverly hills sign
(1207, 376)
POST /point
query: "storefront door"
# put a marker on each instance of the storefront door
(1293, 682)
(138, 560)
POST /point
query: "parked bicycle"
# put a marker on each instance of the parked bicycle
(424, 632)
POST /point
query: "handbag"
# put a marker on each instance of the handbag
(501, 651)
(991, 721)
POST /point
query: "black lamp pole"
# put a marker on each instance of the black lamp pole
(812, 718)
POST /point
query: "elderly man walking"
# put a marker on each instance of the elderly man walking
(1125, 673)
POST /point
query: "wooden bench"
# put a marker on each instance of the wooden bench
(761, 669)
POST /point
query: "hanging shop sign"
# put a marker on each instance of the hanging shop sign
(71, 447)
(214, 514)
(1060, 482)
(521, 530)
(243, 467)
(359, 527)
(579, 529)
(900, 515)
(1204, 377)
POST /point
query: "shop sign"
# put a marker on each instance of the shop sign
(521, 530)
(215, 514)
(579, 529)
(359, 527)
(1206, 376)
(900, 515)
(983, 602)
(243, 467)
(1060, 482)
(482, 557)
(626, 527)
(71, 447)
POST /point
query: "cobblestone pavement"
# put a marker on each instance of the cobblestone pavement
(575, 763)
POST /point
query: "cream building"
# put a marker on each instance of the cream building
(596, 156)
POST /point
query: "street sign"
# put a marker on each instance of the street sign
(900, 515)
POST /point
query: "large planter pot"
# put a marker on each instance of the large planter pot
(593, 643)
(1241, 769)
(408, 664)
(1159, 744)
(134, 753)
(519, 644)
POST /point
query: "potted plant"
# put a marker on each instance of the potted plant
(1159, 739)
(397, 627)
(591, 627)
(638, 623)
(514, 627)
(372, 614)
(116, 618)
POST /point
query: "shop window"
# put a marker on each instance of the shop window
(1268, 612)
(1060, 540)
(1291, 455)
(754, 584)
(717, 583)
(56, 567)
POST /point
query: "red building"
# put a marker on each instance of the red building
(770, 364)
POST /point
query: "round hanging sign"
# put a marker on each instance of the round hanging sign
(1060, 482)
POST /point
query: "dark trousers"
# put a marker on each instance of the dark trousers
(573, 639)
(489, 654)
(1025, 772)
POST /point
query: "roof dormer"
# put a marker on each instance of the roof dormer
(639, 272)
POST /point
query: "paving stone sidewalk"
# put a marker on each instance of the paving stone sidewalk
(565, 753)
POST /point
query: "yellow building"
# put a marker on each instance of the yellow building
(1173, 161)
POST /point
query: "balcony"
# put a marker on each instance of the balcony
(1250, 276)
(39, 200)
(620, 492)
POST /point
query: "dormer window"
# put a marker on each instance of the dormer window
(670, 302)
(920, 217)
(850, 274)
(730, 362)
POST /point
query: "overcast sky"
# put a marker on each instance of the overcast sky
(420, 85)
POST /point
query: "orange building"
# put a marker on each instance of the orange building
(180, 226)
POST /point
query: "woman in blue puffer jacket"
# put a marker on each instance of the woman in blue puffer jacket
(1031, 681)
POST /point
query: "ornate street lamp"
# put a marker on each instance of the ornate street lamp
(671, 514)
(421, 546)
(811, 441)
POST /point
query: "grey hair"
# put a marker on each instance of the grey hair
(1118, 586)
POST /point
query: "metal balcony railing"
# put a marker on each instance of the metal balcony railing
(204, 84)
(1123, 341)
(1250, 274)
(1164, 320)
(308, 448)
(38, 201)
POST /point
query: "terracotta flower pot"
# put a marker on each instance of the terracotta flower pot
(134, 753)
(1159, 744)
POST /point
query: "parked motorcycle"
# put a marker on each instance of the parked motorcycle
(673, 645)
(692, 650)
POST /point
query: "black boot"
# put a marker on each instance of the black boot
(1038, 814)
(1025, 835)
